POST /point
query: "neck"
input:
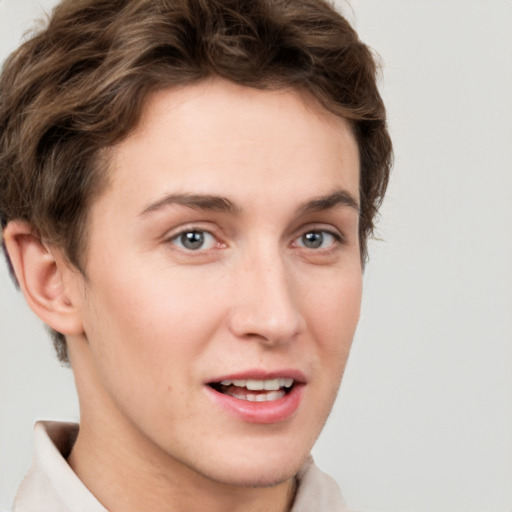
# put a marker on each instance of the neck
(127, 474)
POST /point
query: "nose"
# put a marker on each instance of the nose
(266, 302)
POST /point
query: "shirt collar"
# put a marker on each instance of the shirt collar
(52, 486)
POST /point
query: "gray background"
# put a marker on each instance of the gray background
(424, 418)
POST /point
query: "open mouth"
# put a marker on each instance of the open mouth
(253, 390)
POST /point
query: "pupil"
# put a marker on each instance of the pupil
(192, 240)
(313, 240)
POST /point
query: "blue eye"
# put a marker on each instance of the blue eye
(194, 240)
(317, 240)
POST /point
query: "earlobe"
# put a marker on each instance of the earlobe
(43, 276)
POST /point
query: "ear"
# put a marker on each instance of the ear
(47, 281)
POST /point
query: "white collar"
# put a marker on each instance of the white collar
(52, 486)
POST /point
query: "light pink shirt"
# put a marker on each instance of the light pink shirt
(52, 486)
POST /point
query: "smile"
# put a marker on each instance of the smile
(254, 390)
(257, 396)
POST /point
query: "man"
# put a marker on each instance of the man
(187, 188)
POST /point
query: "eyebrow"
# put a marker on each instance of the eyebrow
(223, 204)
(338, 198)
(195, 201)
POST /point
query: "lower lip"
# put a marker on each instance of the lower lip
(273, 411)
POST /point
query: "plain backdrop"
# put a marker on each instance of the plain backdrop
(423, 422)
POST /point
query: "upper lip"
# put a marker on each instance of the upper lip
(259, 374)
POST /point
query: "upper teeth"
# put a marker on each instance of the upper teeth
(257, 385)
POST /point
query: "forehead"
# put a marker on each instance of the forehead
(224, 102)
(219, 137)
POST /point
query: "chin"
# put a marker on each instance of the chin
(268, 478)
(259, 472)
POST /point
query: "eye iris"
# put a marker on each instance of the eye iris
(313, 240)
(192, 239)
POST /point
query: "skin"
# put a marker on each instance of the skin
(152, 322)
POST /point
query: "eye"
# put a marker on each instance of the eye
(194, 240)
(318, 239)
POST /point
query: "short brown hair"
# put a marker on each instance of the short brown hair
(80, 84)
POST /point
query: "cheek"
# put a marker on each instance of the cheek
(334, 313)
(150, 319)
(333, 320)
(142, 344)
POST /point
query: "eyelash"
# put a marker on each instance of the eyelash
(193, 231)
(179, 240)
(337, 239)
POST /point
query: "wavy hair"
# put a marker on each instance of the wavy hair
(79, 85)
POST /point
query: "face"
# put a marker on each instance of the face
(223, 282)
